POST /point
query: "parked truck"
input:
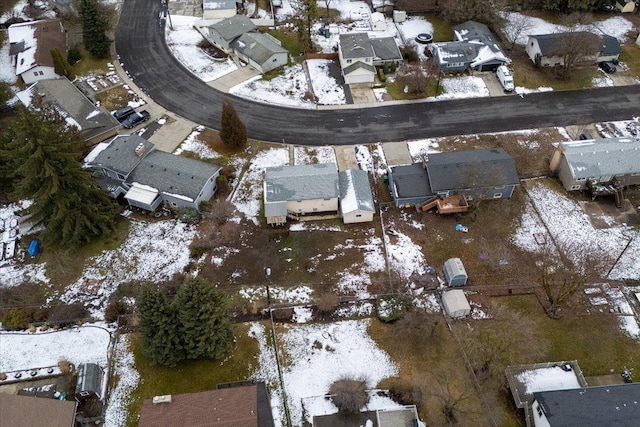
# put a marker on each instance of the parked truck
(505, 76)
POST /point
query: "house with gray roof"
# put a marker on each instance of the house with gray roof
(356, 200)
(582, 163)
(300, 190)
(262, 51)
(608, 405)
(476, 174)
(93, 122)
(474, 48)
(223, 33)
(550, 49)
(130, 167)
(359, 55)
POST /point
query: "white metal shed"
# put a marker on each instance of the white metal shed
(455, 303)
(454, 272)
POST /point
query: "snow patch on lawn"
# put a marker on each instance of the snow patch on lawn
(325, 87)
(288, 89)
(463, 87)
(194, 145)
(128, 379)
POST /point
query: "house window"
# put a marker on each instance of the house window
(539, 409)
(581, 179)
(326, 200)
(41, 73)
(274, 60)
(358, 215)
(35, 73)
(348, 61)
(575, 187)
(531, 44)
(497, 196)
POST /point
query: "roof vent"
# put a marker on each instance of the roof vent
(161, 399)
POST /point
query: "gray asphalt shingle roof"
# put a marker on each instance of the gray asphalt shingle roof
(359, 64)
(301, 182)
(120, 155)
(472, 30)
(611, 406)
(355, 192)
(356, 45)
(256, 46)
(62, 95)
(610, 46)
(600, 157)
(554, 44)
(471, 169)
(173, 174)
(386, 48)
(233, 27)
(411, 180)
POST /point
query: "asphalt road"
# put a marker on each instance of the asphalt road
(144, 54)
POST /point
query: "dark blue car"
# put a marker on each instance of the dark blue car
(135, 118)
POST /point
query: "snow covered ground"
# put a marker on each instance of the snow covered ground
(316, 356)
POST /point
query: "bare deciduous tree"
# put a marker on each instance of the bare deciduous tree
(349, 394)
(517, 25)
(575, 46)
(449, 393)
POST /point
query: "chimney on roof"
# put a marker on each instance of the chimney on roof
(140, 149)
(161, 399)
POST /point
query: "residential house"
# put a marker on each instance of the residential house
(627, 6)
(579, 164)
(359, 55)
(609, 405)
(130, 167)
(377, 22)
(550, 49)
(28, 411)
(94, 123)
(239, 35)
(218, 9)
(30, 46)
(262, 51)
(474, 48)
(356, 200)
(239, 406)
(223, 33)
(300, 190)
(485, 174)
(90, 382)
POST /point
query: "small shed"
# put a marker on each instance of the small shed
(454, 272)
(377, 22)
(455, 303)
(89, 384)
(399, 16)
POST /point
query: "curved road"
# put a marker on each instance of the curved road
(144, 54)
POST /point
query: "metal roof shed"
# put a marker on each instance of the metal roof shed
(454, 272)
(455, 303)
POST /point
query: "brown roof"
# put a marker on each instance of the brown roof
(228, 407)
(27, 411)
(50, 35)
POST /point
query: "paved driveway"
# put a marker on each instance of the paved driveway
(346, 157)
(396, 153)
(226, 82)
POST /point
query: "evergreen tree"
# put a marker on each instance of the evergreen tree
(232, 131)
(60, 65)
(305, 14)
(205, 321)
(67, 200)
(94, 28)
(159, 327)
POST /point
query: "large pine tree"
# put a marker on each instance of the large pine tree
(196, 323)
(67, 200)
(204, 318)
(232, 131)
(94, 28)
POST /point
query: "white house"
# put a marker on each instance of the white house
(549, 49)
(359, 55)
(356, 200)
(130, 167)
(262, 51)
(218, 9)
(377, 22)
(30, 46)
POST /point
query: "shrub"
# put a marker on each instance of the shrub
(382, 76)
(15, 319)
(327, 303)
(283, 314)
(3, 376)
(390, 309)
(407, 393)
(188, 215)
(74, 55)
(114, 310)
(65, 366)
(349, 394)
(33, 329)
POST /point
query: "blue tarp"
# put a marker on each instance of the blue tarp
(34, 248)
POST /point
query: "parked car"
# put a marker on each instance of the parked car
(607, 67)
(123, 113)
(505, 76)
(136, 118)
(585, 135)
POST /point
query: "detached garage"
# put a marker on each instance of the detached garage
(454, 272)
(455, 304)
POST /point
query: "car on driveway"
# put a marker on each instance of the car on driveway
(607, 67)
(136, 118)
(121, 114)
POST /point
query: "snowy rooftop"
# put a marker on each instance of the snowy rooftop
(527, 379)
